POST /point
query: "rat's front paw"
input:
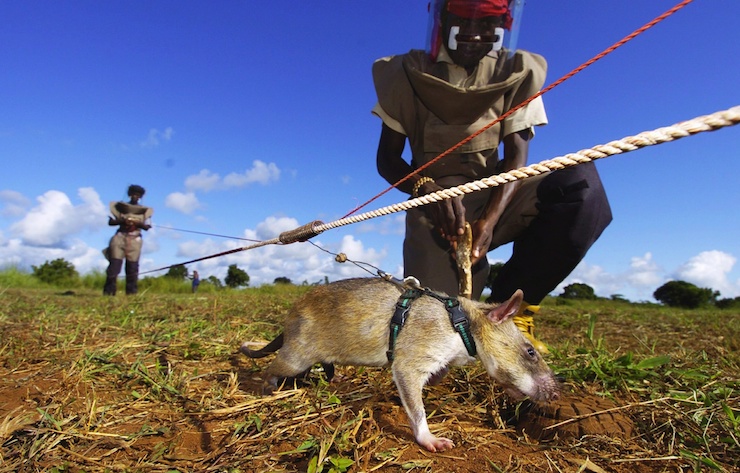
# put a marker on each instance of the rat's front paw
(435, 444)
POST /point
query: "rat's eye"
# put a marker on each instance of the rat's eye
(532, 352)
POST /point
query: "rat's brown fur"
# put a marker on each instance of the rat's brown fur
(348, 323)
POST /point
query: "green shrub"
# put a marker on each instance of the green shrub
(578, 291)
(59, 272)
(14, 277)
(686, 295)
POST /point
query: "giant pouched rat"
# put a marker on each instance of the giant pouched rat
(348, 322)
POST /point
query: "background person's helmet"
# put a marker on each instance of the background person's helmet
(507, 34)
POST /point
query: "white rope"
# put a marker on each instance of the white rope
(701, 124)
(680, 130)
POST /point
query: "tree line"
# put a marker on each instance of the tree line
(60, 272)
(680, 294)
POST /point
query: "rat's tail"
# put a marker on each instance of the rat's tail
(271, 347)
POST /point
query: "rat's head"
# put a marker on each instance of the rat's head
(509, 357)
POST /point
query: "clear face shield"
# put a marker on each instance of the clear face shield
(472, 29)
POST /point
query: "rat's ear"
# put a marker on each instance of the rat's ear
(508, 309)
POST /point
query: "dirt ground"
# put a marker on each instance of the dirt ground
(81, 397)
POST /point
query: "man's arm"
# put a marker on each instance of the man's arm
(389, 160)
(447, 215)
(516, 149)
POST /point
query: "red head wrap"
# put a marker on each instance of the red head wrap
(480, 9)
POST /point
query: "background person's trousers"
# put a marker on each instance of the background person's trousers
(132, 277)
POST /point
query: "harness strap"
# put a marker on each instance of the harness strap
(461, 324)
(399, 317)
(458, 318)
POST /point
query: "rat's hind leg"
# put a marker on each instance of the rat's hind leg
(286, 366)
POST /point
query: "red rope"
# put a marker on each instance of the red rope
(567, 76)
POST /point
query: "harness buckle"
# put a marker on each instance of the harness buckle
(461, 323)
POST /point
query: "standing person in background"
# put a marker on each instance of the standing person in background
(471, 74)
(196, 281)
(126, 244)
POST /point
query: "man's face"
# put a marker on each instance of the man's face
(474, 39)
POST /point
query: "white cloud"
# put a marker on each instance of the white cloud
(186, 203)
(300, 262)
(155, 137)
(261, 173)
(710, 269)
(272, 227)
(55, 218)
(15, 253)
(603, 283)
(638, 283)
(644, 272)
(204, 181)
(207, 181)
(356, 251)
(14, 204)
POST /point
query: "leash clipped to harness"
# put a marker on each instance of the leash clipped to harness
(458, 318)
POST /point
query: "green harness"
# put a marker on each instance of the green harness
(458, 318)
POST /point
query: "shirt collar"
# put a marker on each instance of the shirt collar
(444, 56)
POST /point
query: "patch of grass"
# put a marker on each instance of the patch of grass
(154, 383)
(16, 278)
(697, 396)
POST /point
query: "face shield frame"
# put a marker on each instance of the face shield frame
(505, 37)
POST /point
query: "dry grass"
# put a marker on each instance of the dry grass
(154, 383)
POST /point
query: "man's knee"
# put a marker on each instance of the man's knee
(575, 198)
(114, 267)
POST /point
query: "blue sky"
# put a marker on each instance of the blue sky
(247, 119)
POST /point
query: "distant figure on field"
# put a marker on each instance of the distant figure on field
(126, 244)
(196, 281)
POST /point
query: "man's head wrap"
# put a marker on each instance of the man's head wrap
(136, 189)
(480, 9)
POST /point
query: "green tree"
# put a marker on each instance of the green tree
(578, 290)
(493, 271)
(618, 298)
(282, 280)
(215, 281)
(236, 277)
(178, 272)
(57, 272)
(685, 295)
(729, 303)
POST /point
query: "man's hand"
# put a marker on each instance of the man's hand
(447, 215)
(482, 236)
